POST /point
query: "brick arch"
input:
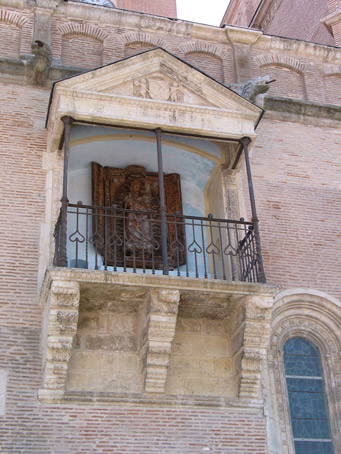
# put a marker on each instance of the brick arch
(137, 42)
(11, 25)
(203, 48)
(207, 57)
(289, 80)
(12, 18)
(82, 29)
(280, 60)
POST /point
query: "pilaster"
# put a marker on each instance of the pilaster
(242, 40)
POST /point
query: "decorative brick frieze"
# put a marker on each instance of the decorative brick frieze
(162, 321)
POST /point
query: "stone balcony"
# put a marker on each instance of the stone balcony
(120, 336)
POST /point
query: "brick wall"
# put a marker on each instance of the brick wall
(332, 86)
(160, 7)
(297, 182)
(297, 174)
(81, 51)
(210, 64)
(288, 21)
(10, 37)
(288, 83)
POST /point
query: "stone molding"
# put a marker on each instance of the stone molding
(12, 18)
(237, 35)
(162, 321)
(60, 326)
(332, 18)
(332, 70)
(252, 405)
(317, 317)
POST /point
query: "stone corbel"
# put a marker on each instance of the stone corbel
(162, 321)
(251, 341)
(242, 39)
(60, 326)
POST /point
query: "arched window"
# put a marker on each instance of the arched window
(307, 398)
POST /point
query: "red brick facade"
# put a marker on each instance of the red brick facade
(304, 20)
(296, 170)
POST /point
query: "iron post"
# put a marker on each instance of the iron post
(245, 141)
(62, 256)
(162, 202)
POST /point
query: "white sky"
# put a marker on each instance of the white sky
(203, 11)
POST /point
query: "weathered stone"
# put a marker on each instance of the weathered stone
(110, 342)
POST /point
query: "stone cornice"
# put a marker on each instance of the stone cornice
(237, 404)
(296, 108)
(156, 281)
(238, 35)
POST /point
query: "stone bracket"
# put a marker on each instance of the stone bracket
(60, 326)
(251, 339)
(162, 321)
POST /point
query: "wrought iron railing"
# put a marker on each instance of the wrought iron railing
(117, 239)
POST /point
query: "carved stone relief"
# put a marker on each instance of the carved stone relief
(158, 88)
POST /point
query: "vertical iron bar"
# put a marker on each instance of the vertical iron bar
(221, 251)
(162, 203)
(203, 247)
(62, 256)
(87, 238)
(245, 142)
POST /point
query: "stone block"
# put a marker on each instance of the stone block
(110, 342)
(223, 367)
(122, 323)
(129, 362)
(77, 381)
(181, 344)
(92, 321)
(206, 386)
(210, 346)
(215, 327)
(189, 325)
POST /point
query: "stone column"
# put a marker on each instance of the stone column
(60, 326)
(162, 321)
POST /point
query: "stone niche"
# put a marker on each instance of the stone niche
(109, 346)
(201, 361)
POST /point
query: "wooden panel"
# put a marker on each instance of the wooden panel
(134, 240)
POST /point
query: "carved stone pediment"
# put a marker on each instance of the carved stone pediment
(157, 87)
(152, 89)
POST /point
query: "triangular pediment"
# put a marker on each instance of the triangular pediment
(160, 76)
(153, 89)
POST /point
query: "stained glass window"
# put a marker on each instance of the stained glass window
(307, 398)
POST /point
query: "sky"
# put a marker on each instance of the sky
(205, 12)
